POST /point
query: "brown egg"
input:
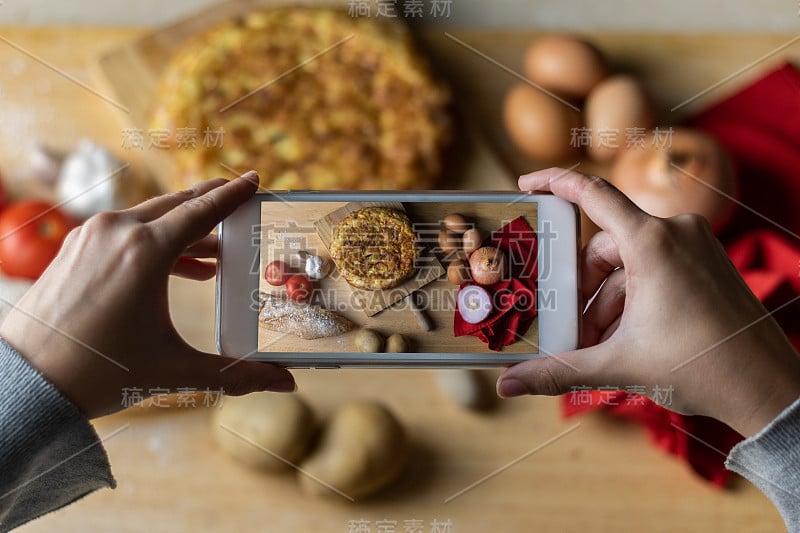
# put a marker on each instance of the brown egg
(564, 64)
(613, 110)
(471, 240)
(679, 178)
(539, 125)
(449, 242)
(456, 223)
(458, 272)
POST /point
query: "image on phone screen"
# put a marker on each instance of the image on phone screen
(328, 270)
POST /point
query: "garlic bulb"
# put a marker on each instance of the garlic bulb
(316, 267)
(93, 180)
(45, 164)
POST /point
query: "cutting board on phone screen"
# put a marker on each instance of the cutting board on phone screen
(373, 302)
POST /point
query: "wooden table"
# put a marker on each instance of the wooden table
(598, 474)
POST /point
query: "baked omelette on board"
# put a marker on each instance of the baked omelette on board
(311, 98)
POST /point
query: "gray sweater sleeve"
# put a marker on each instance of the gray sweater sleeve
(50, 455)
(771, 461)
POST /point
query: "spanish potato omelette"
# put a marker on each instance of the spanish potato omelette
(308, 97)
(374, 248)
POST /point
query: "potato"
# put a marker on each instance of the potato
(396, 343)
(368, 340)
(469, 388)
(265, 430)
(363, 448)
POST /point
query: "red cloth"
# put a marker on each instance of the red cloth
(760, 127)
(514, 298)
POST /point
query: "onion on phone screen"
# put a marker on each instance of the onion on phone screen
(474, 304)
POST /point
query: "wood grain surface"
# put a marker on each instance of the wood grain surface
(541, 472)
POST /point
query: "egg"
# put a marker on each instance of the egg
(458, 272)
(679, 178)
(539, 125)
(612, 109)
(449, 242)
(456, 223)
(471, 240)
(567, 65)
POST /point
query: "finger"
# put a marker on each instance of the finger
(609, 331)
(206, 247)
(233, 376)
(602, 202)
(195, 218)
(190, 268)
(605, 309)
(554, 375)
(599, 258)
(155, 207)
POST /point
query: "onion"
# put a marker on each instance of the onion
(685, 177)
(487, 264)
(474, 304)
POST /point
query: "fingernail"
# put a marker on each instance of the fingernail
(251, 176)
(285, 384)
(522, 181)
(510, 387)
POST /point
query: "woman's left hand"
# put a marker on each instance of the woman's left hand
(97, 322)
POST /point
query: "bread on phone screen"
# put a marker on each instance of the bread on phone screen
(307, 321)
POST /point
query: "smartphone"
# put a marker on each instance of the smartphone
(512, 257)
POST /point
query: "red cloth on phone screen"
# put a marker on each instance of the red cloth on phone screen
(514, 298)
(760, 127)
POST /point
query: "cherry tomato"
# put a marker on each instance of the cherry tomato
(276, 273)
(31, 233)
(299, 287)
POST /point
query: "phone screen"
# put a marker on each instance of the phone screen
(348, 276)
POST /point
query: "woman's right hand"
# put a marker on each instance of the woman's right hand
(670, 311)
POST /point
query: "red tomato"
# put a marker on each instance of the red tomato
(276, 273)
(299, 287)
(31, 233)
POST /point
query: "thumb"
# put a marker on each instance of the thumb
(236, 376)
(554, 374)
